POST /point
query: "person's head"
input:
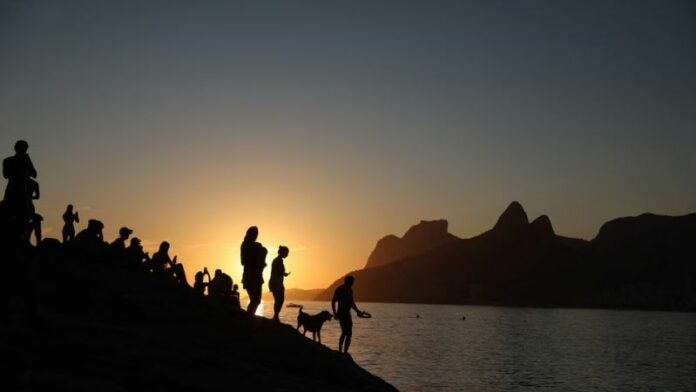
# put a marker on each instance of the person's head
(252, 234)
(283, 251)
(21, 147)
(164, 247)
(218, 272)
(198, 277)
(135, 241)
(70, 208)
(125, 232)
(349, 280)
(236, 287)
(95, 226)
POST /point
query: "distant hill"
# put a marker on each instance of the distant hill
(645, 262)
(419, 239)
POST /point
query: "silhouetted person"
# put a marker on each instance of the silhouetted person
(161, 259)
(234, 297)
(118, 247)
(254, 261)
(275, 284)
(70, 219)
(198, 284)
(162, 263)
(19, 170)
(344, 297)
(89, 243)
(220, 287)
(134, 253)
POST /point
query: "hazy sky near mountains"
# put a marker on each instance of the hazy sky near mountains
(332, 124)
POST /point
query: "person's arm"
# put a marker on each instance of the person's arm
(333, 304)
(32, 171)
(354, 306)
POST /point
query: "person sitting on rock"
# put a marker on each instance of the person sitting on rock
(134, 254)
(198, 284)
(89, 243)
(118, 247)
(220, 287)
(162, 263)
(234, 297)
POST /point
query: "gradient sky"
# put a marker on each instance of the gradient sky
(331, 124)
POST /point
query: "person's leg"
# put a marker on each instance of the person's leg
(276, 301)
(349, 335)
(37, 232)
(249, 291)
(345, 348)
(340, 341)
(254, 299)
(280, 299)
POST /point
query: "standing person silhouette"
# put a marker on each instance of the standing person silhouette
(253, 256)
(19, 170)
(275, 284)
(344, 297)
(70, 218)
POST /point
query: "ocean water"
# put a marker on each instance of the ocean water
(518, 349)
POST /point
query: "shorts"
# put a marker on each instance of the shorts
(346, 323)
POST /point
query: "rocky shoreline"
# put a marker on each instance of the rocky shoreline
(107, 327)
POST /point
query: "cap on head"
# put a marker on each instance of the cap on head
(135, 240)
(125, 232)
(21, 146)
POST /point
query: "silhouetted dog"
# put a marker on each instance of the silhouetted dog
(312, 322)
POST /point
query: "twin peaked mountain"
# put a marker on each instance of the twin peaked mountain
(646, 262)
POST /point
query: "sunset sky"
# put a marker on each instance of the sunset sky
(329, 125)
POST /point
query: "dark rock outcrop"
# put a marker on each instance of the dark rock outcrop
(109, 327)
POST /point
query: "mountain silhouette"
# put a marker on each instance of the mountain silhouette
(419, 239)
(645, 262)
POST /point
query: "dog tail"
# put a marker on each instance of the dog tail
(299, 309)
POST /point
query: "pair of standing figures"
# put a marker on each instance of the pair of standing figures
(253, 256)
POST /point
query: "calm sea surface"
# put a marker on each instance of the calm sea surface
(518, 349)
